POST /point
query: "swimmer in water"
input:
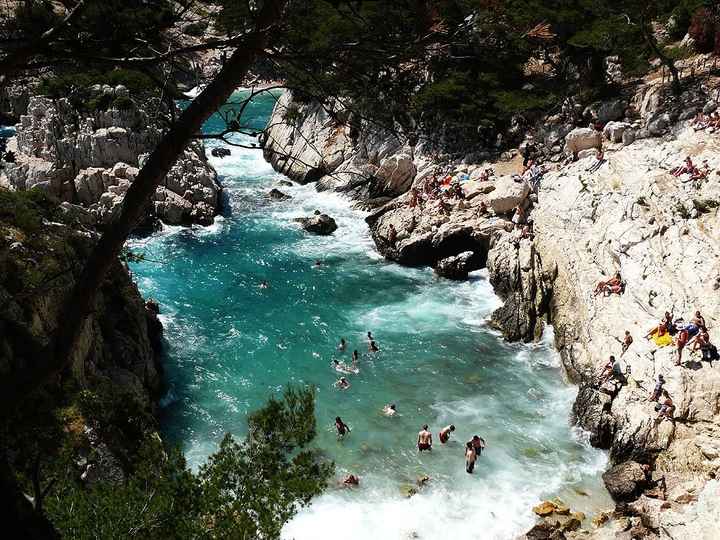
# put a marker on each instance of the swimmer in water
(478, 444)
(342, 384)
(389, 410)
(370, 336)
(424, 440)
(354, 357)
(264, 284)
(342, 367)
(342, 428)
(373, 347)
(445, 433)
(351, 480)
(318, 263)
(470, 457)
(343, 345)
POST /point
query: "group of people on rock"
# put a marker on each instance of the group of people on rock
(473, 448)
(702, 121)
(694, 172)
(669, 331)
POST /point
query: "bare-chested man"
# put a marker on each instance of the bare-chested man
(424, 440)
(445, 433)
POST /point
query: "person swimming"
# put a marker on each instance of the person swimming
(343, 345)
(478, 444)
(355, 357)
(389, 410)
(342, 367)
(424, 440)
(370, 336)
(444, 434)
(264, 284)
(342, 383)
(470, 457)
(372, 347)
(342, 428)
(351, 480)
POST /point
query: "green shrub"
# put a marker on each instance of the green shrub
(26, 209)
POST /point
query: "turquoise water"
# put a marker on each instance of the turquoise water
(231, 345)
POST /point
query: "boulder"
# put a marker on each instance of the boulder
(278, 195)
(544, 509)
(710, 107)
(285, 183)
(624, 481)
(507, 195)
(582, 139)
(544, 531)
(628, 137)
(456, 267)
(321, 224)
(220, 152)
(614, 131)
(658, 124)
(607, 111)
(397, 172)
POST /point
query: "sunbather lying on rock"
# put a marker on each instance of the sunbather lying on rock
(687, 167)
(701, 173)
(660, 335)
(612, 285)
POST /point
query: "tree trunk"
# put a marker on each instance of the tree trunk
(79, 303)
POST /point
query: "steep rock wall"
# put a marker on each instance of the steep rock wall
(313, 142)
(91, 159)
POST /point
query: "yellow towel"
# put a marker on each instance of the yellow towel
(662, 341)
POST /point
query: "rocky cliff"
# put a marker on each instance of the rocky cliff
(323, 143)
(42, 249)
(91, 157)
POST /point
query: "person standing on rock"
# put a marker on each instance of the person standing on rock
(470, 458)
(392, 235)
(424, 440)
(444, 434)
(682, 340)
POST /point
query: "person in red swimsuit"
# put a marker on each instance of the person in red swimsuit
(424, 440)
(444, 434)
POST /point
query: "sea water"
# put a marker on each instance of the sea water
(232, 344)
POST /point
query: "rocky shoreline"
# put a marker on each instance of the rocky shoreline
(89, 158)
(590, 219)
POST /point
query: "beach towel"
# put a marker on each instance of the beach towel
(662, 341)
